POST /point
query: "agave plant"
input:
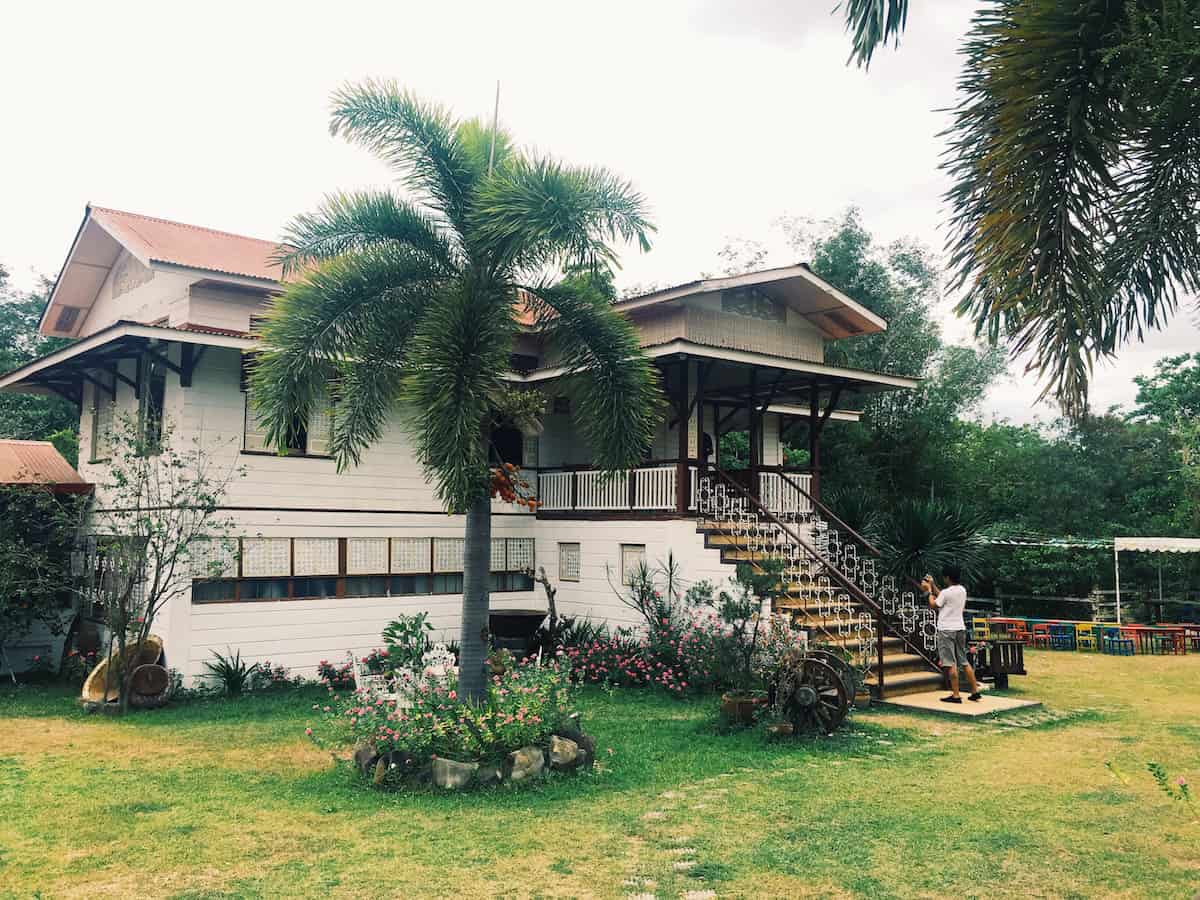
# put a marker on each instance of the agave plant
(923, 536)
(231, 673)
(857, 507)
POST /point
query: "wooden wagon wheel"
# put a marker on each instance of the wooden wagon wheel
(813, 696)
(838, 664)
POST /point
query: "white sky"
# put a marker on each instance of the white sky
(725, 114)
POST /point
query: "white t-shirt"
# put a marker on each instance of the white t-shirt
(951, 602)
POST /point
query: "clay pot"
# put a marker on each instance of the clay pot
(741, 706)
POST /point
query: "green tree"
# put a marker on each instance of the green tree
(412, 303)
(35, 554)
(894, 449)
(28, 416)
(1172, 393)
(1075, 159)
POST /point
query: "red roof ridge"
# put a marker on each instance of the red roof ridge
(162, 221)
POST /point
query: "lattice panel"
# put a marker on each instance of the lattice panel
(410, 555)
(448, 554)
(498, 555)
(214, 558)
(266, 556)
(568, 562)
(316, 556)
(632, 558)
(520, 554)
(366, 556)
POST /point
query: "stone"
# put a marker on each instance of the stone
(564, 753)
(585, 741)
(365, 759)
(453, 775)
(488, 774)
(528, 762)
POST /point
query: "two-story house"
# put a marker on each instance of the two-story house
(162, 316)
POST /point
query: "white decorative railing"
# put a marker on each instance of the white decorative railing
(554, 489)
(776, 492)
(602, 490)
(654, 488)
(645, 488)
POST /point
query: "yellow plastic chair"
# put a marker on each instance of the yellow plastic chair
(980, 629)
(1085, 637)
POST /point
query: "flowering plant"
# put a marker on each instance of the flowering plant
(523, 706)
(77, 666)
(336, 677)
(269, 675)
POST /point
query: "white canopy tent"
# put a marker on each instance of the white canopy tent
(1148, 545)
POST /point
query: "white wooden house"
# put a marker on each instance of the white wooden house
(162, 314)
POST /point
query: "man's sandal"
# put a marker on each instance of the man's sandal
(975, 696)
(951, 699)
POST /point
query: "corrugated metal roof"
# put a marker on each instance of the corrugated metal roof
(35, 462)
(162, 240)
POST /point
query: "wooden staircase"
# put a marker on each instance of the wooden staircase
(851, 609)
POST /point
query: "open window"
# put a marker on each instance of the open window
(306, 437)
(153, 380)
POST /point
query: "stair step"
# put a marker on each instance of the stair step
(902, 663)
(909, 682)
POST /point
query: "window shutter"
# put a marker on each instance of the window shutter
(255, 434)
(320, 426)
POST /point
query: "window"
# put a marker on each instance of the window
(153, 380)
(633, 558)
(402, 585)
(367, 586)
(568, 562)
(314, 588)
(103, 412)
(512, 581)
(261, 589)
(305, 437)
(214, 591)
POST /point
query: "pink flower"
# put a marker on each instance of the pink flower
(1181, 781)
(308, 731)
(454, 695)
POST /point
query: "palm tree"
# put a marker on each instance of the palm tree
(410, 303)
(1075, 158)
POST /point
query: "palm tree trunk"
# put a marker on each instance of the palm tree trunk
(475, 640)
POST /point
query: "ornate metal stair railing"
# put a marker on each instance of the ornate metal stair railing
(902, 614)
(722, 501)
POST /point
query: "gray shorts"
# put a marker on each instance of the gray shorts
(952, 648)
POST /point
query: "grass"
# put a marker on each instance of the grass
(227, 799)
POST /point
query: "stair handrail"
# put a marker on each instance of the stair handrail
(838, 575)
(830, 514)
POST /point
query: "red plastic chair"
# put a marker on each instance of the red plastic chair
(1041, 635)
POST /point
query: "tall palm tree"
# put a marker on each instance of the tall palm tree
(410, 304)
(1075, 157)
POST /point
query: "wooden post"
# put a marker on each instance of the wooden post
(814, 439)
(755, 438)
(681, 460)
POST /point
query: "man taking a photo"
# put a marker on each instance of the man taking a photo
(950, 601)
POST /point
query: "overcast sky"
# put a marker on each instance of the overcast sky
(726, 115)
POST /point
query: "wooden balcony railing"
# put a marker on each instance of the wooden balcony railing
(650, 488)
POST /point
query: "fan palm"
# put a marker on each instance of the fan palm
(1075, 159)
(411, 303)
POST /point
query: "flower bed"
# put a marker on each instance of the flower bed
(525, 726)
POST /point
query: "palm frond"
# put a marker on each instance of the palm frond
(617, 400)
(534, 213)
(419, 138)
(365, 220)
(456, 359)
(871, 23)
(1075, 156)
(316, 326)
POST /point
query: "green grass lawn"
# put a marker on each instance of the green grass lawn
(227, 799)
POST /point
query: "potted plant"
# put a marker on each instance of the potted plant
(742, 614)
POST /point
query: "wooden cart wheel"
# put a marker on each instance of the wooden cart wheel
(813, 697)
(838, 664)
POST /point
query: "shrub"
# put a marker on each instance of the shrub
(266, 675)
(231, 673)
(77, 666)
(406, 639)
(523, 706)
(336, 677)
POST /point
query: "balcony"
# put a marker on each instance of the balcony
(653, 489)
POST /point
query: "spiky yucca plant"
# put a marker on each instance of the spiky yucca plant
(920, 537)
(411, 302)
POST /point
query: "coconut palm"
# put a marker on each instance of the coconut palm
(411, 303)
(1075, 158)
